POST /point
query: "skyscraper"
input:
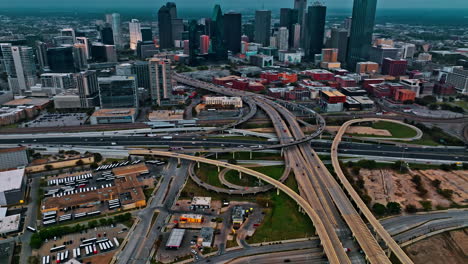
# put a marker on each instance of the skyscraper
(20, 67)
(233, 25)
(339, 40)
(283, 38)
(262, 27)
(192, 45)
(160, 80)
(217, 38)
(146, 34)
(116, 23)
(288, 18)
(297, 36)
(41, 54)
(141, 70)
(87, 46)
(69, 32)
(134, 28)
(88, 88)
(165, 28)
(79, 56)
(107, 36)
(315, 29)
(362, 27)
(204, 44)
(172, 9)
(177, 29)
(301, 7)
(61, 59)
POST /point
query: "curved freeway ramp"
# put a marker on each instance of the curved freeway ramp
(376, 225)
(334, 251)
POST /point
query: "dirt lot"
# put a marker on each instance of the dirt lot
(389, 186)
(446, 248)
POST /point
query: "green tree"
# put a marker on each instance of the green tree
(393, 208)
(36, 241)
(436, 183)
(411, 208)
(379, 209)
(356, 170)
(94, 165)
(79, 163)
(48, 167)
(427, 205)
(97, 157)
(33, 260)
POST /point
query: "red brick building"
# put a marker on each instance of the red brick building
(394, 67)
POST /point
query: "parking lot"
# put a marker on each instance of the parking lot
(99, 190)
(73, 241)
(58, 120)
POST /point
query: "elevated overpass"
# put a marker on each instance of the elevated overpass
(354, 196)
(334, 251)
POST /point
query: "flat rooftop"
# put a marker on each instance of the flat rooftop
(11, 179)
(27, 101)
(166, 115)
(198, 200)
(10, 223)
(116, 112)
(175, 238)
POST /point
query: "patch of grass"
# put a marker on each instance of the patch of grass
(397, 130)
(111, 160)
(282, 219)
(9, 126)
(209, 174)
(274, 172)
(232, 243)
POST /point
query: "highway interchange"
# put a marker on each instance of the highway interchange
(337, 221)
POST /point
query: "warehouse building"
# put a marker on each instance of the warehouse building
(206, 236)
(13, 187)
(13, 158)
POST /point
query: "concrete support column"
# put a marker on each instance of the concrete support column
(216, 155)
(198, 164)
(240, 175)
(389, 252)
(178, 161)
(233, 155)
(277, 191)
(250, 154)
(218, 169)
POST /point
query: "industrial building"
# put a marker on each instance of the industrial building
(13, 187)
(13, 158)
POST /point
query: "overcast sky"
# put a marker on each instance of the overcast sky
(226, 4)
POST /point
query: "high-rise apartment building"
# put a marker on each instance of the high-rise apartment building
(315, 29)
(141, 70)
(69, 32)
(160, 80)
(134, 28)
(233, 31)
(20, 67)
(58, 80)
(329, 55)
(262, 27)
(362, 27)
